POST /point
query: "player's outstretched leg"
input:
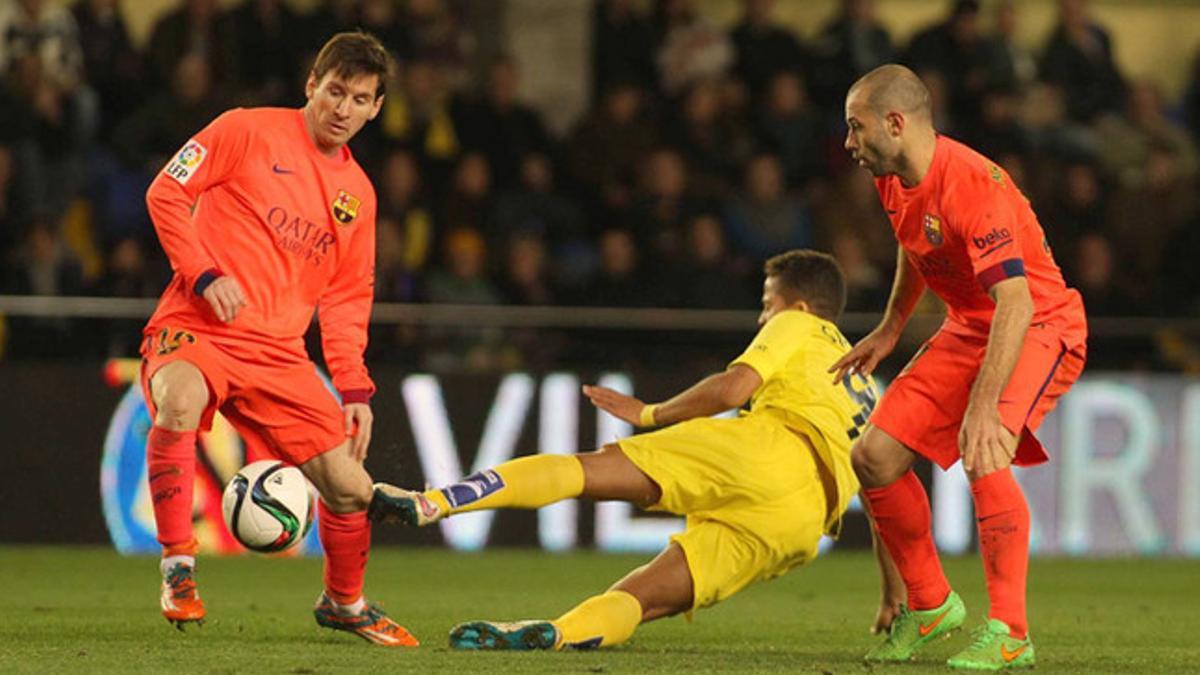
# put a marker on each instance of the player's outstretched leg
(346, 537)
(661, 588)
(524, 483)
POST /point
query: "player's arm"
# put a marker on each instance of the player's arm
(993, 235)
(984, 441)
(771, 349)
(893, 592)
(714, 394)
(907, 287)
(343, 311)
(206, 160)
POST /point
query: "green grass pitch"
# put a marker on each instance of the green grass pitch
(88, 609)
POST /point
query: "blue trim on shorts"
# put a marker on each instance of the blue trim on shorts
(1053, 369)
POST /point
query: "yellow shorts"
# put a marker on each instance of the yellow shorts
(750, 489)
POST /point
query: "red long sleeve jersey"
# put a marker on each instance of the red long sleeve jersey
(252, 197)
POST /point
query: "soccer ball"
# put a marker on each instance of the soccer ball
(268, 506)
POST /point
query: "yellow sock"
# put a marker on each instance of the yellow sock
(600, 621)
(524, 483)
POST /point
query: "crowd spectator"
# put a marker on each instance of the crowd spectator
(851, 44)
(792, 128)
(954, 49)
(112, 67)
(266, 51)
(623, 43)
(762, 49)
(535, 207)
(763, 218)
(499, 125)
(662, 205)
(711, 276)
(711, 145)
(1079, 61)
(198, 28)
(469, 203)
(1007, 63)
(690, 49)
(606, 148)
(618, 279)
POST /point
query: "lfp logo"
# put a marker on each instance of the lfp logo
(125, 492)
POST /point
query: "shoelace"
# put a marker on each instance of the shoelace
(181, 582)
(376, 614)
(981, 636)
(903, 617)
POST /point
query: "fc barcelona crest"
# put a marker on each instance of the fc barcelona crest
(345, 207)
(933, 229)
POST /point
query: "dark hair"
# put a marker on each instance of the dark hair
(813, 277)
(352, 54)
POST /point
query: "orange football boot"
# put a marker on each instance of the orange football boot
(371, 624)
(181, 603)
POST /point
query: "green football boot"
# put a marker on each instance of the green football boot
(515, 636)
(912, 629)
(994, 649)
(390, 504)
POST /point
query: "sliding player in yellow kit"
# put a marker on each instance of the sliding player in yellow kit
(758, 490)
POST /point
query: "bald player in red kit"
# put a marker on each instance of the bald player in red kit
(266, 218)
(1014, 340)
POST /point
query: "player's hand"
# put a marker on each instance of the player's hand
(889, 609)
(359, 419)
(226, 297)
(615, 403)
(986, 445)
(866, 354)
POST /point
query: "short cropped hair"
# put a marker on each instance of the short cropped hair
(353, 54)
(811, 276)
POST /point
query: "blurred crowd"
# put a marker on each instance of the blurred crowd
(703, 151)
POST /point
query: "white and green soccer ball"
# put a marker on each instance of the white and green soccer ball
(268, 506)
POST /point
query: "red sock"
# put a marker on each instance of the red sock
(346, 538)
(171, 467)
(1003, 519)
(902, 517)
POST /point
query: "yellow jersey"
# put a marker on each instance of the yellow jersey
(792, 354)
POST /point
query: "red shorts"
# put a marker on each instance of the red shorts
(282, 408)
(923, 407)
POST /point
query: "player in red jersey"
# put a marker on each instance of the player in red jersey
(1013, 341)
(266, 217)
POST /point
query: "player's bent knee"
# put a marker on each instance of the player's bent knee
(609, 474)
(866, 467)
(180, 396)
(344, 484)
(878, 459)
(347, 501)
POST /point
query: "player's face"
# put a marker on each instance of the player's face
(773, 301)
(868, 137)
(339, 107)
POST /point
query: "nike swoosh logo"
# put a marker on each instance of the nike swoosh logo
(173, 471)
(1009, 656)
(927, 628)
(278, 169)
